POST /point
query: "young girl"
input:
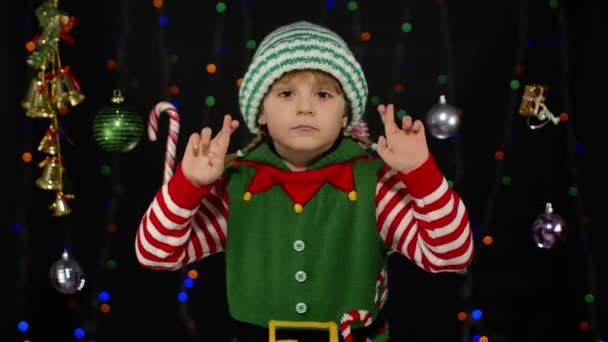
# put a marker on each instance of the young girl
(305, 215)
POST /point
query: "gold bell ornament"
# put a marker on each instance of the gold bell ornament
(532, 106)
(49, 143)
(66, 90)
(37, 103)
(51, 174)
(60, 205)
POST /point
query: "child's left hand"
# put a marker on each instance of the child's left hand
(405, 148)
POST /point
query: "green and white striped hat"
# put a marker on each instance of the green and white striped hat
(297, 46)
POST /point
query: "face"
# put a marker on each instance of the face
(305, 112)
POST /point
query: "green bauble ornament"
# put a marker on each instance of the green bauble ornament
(117, 128)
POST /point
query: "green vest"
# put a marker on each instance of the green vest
(310, 266)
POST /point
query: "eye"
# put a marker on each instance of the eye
(324, 95)
(285, 93)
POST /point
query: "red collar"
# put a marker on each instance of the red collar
(301, 186)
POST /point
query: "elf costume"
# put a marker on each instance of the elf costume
(307, 250)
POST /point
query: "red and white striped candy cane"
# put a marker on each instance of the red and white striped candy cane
(349, 318)
(165, 107)
(381, 289)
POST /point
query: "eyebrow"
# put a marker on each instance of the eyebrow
(319, 82)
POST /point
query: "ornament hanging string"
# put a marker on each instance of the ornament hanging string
(165, 107)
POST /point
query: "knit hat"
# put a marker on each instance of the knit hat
(297, 46)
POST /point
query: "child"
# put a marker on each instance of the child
(305, 215)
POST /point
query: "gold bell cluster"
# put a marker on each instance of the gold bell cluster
(50, 94)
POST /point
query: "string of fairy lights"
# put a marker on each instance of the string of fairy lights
(52, 94)
(213, 71)
(116, 129)
(115, 143)
(399, 64)
(21, 227)
(590, 323)
(473, 327)
(396, 91)
(473, 316)
(448, 82)
(212, 68)
(170, 90)
(360, 36)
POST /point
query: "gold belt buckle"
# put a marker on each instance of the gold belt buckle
(273, 325)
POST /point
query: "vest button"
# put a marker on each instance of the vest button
(298, 208)
(301, 308)
(247, 196)
(352, 195)
(301, 276)
(298, 245)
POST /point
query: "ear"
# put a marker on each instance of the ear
(262, 119)
(344, 121)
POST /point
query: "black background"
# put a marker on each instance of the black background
(525, 293)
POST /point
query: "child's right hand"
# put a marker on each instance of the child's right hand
(203, 161)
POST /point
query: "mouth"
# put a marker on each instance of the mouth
(304, 128)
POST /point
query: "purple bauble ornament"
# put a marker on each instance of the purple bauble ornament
(549, 229)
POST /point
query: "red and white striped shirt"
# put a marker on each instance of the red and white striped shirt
(417, 215)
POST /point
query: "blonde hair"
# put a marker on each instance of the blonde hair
(262, 133)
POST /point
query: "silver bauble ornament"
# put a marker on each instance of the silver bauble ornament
(442, 120)
(67, 275)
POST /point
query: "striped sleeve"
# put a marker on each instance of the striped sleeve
(183, 223)
(419, 216)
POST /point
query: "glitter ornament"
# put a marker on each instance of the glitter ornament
(549, 229)
(117, 128)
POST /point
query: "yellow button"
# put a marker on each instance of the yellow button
(352, 195)
(247, 196)
(298, 208)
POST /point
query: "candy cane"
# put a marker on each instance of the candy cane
(381, 294)
(171, 138)
(349, 318)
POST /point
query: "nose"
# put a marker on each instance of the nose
(305, 112)
(305, 107)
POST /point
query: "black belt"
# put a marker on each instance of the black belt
(247, 332)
